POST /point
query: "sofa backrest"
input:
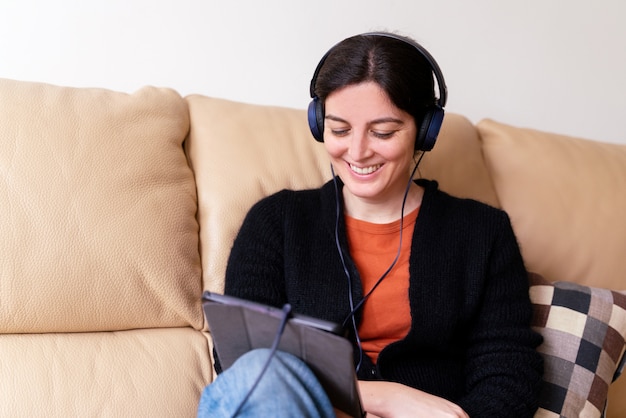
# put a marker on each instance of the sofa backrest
(566, 197)
(241, 153)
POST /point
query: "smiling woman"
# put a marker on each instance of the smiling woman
(430, 289)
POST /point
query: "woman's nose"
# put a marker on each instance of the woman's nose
(359, 147)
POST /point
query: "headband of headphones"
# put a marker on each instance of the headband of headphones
(430, 126)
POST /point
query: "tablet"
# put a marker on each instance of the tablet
(238, 326)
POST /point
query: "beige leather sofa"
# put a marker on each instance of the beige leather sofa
(119, 209)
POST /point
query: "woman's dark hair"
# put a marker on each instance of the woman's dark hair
(394, 64)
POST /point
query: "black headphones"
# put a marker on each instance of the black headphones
(428, 130)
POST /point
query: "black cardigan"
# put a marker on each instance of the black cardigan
(469, 341)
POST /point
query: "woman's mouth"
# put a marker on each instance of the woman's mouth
(364, 170)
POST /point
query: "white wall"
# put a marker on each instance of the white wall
(556, 65)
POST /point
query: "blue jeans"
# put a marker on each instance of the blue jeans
(287, 389)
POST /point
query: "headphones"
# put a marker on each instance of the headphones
(428, 130)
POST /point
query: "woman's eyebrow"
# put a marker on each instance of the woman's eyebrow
(388, 119)
(335, 118)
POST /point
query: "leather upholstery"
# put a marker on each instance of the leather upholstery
(567, 201)
(240, 153)
(100, 269)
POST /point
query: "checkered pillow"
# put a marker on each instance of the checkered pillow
(584, 330)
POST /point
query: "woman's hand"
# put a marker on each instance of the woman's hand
(394, 400)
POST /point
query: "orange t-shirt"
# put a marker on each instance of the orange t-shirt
(386, 312)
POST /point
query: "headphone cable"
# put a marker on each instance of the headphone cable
(345, 269)
(354, 309)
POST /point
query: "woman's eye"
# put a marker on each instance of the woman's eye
(340, 132)
(383, 135)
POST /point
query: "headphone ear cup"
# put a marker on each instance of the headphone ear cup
(315, 115)
(429, 129)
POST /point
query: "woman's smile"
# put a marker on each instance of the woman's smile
(365, 170)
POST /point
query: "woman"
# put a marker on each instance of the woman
(432, 288)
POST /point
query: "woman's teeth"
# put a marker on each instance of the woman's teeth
(365, 170)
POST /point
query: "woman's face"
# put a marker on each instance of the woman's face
(370, 142)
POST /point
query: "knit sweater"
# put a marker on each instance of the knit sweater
(470, 339)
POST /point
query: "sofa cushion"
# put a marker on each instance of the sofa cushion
(567, 201)
(136, 373)
(241, 153)
(584, 330)
(98, 228)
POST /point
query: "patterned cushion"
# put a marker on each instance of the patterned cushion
(584, 332)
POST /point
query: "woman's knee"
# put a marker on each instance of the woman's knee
(281, 362)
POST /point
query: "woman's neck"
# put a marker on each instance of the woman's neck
(384, 211)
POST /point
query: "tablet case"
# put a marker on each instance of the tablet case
(238, 326)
